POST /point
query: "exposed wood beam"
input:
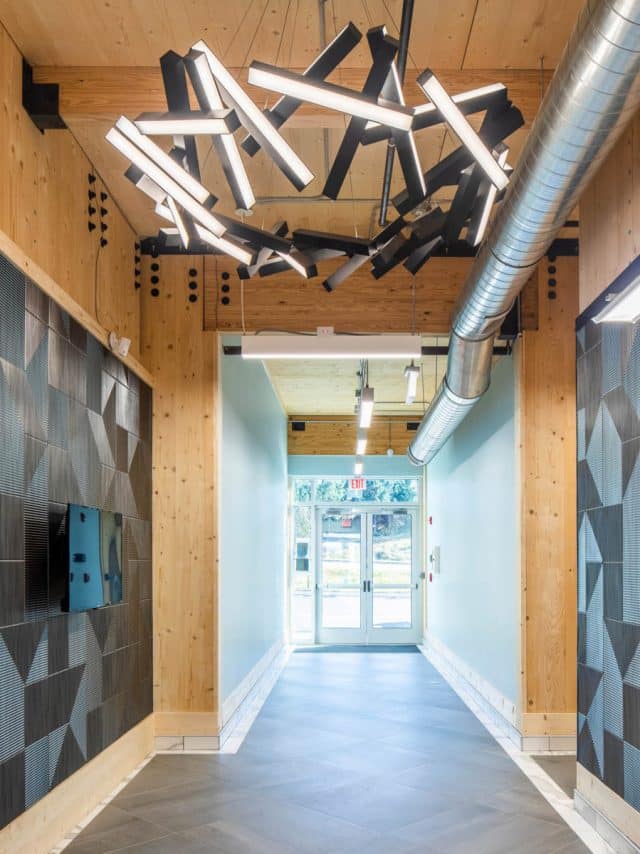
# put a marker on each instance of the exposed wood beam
(362, 304)
(107, 92)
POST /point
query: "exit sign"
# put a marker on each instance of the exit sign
(356, 483)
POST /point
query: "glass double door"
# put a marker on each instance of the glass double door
(368, 588)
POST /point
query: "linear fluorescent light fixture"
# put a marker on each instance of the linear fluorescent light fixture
(623, 307)
(159, 177)
(365, 410)
(227, 245)
(208, 97)
(330, 96)
(321, 67)
(411, 372)
(211, 123)
(331, 346)
(357, 468)
(163, 160)
(456, 120)
(361, 443)
(487, 196)
(179, 222)
(255, 122)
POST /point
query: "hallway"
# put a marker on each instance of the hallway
(352, 752)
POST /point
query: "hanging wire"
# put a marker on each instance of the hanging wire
(238, 29)
(397, 26)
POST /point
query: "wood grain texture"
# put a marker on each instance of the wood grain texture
(183, 360)
(43, 209)
(42, 827)
(453, 35)
(362, 304)
(610, 217)
(546, 389)
(335, 435)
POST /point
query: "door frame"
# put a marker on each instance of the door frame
(366, 634)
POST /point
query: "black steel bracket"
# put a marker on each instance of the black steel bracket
(41, 101)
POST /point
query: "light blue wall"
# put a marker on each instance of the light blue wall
(326, 465)
(472, 495)
(253, 513)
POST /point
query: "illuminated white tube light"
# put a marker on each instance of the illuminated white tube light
(255, 122)
(357, 468)
(174, 124)
(231, 160)
(328, 95)
(331, 346)
(179, 222)
(623, 307)
(361, 443)
(460, 98)
(458, 123)
(477, 230)
(226, 245)
(162, 159)
(365, 411)
(411, 372)
(165, 182)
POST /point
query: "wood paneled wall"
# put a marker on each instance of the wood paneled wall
(183, 361)
(398, 302)
(610, 217)
(337, 435)
(43, 209)
(547, 432)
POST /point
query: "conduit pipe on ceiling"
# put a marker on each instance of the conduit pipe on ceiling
(593, 95)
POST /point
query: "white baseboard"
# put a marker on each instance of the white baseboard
(611, 816)
(502, 712)
(238, 711)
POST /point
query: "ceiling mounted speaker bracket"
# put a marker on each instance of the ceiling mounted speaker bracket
(41, 101)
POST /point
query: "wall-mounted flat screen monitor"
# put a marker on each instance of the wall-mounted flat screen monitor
(95, 557)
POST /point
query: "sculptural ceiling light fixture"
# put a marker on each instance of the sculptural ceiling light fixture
(477, 169)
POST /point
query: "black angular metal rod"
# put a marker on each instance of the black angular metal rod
(403, 51)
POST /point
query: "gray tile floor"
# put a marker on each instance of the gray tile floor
(561, 769)
(350, 753)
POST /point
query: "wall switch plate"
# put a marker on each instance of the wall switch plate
(436, 560)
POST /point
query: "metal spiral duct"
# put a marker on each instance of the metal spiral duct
(593, 95)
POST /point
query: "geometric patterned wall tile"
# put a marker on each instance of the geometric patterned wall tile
(36, 771)
(11, 592)
(595, 720)
(594, 649)
(595, 455)
(581, 435)
(632, 715)
(12, 300)
(608, 466)
(62, 396)
(11, 788)
(614, 763)
(613, 696)
(606, 523)
(612, 458)
(632, 676)
(632, 775)
(11, 705)
(631, 548)
(612, 591)
(631, 373)
(611, 359)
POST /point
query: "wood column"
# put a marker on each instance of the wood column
(547, 416)
(183, 360)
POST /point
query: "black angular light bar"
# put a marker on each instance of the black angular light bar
(478, 169)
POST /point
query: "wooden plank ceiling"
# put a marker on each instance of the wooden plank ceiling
(317, 387)
(116, 45)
